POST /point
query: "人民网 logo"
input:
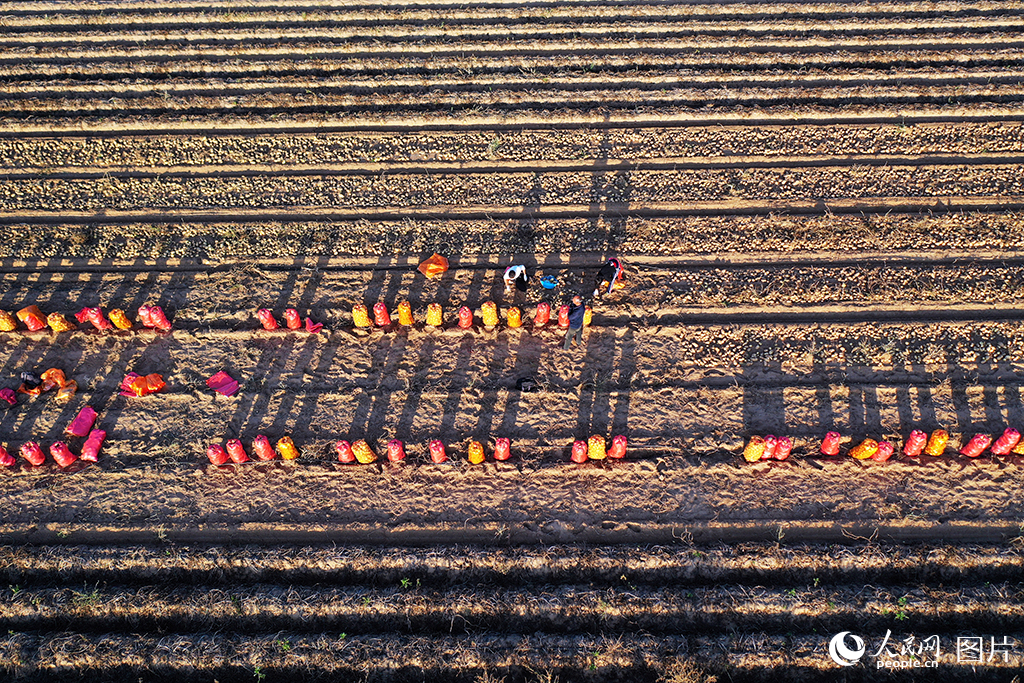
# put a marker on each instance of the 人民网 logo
(842, 655)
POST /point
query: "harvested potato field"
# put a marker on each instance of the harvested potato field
(819, 207)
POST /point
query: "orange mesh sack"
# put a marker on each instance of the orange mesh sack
(7, 322)
(364, 454)
(476, 453)
(754, 449)
(489, 312)
(53, 379)
(286, 447)
(59, 323)
(435, 266)
(864, 450)
(596, 448)
(434, 315)
(360, 316)
(119, 319)
(405, 313)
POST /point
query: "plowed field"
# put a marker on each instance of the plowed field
(821, 211)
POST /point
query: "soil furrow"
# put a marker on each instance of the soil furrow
(740, 231)
(175, 18)
(396, 150)
(36, 69)
(459, 659)
(608, 165)
(511, 83)
(423, 35)
(523, 194)
(564, 609)
(780, 48)
(527, 103)
(681, 564)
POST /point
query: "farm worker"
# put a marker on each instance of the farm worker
(609, 274)
(515, 276)
(576, 313)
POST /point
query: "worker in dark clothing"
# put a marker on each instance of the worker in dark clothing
(609, 274)
(577, 311)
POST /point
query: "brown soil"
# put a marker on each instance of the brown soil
(820, 207)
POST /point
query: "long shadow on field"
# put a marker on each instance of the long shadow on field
(823, 391)
(764, 405)
(528, 356)
(440, 292)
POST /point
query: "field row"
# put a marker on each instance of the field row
(736, 144)
(874, 232)
(655, 295)
(533, 658)
(566, 609)
(607, 567)
(107, 65)
(158, 16)
(533, 98)
(495, 190)
(470, 612)
(742, 31)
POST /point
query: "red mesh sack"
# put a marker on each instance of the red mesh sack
(344, 451)
(236, 451)
(502, 449)
(830, 444)
(262, 449)
(579, 451)
(6, 459)
(543, 314)
(381, 317)
(312, 327)
(92, 445)
(770, 443)
(61, 454)
(146, 316)
(292, 319)
(32, 317)
(216, 453)
(1005, 443)
(160, 321)
(33, 453)
(267, 319)
(563, 316)
(396, 451)
(82, 423)
(884, 452)
(618, 449)
(8, 396)
(783, 448)
(465, 318)
(98, 320)
(437, 453)
(976, 446)
(915, 444)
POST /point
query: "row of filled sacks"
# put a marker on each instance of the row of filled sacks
(60, 451)
(772, 447)
(35, 320)
(488, 313)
